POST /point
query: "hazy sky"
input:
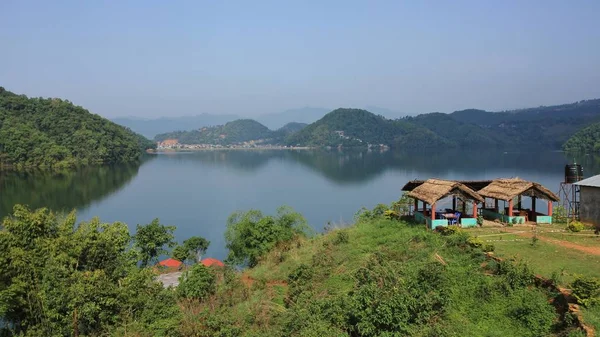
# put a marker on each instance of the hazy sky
(169, 58)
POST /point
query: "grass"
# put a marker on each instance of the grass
(544, 258)
(395, 253)
(591, 316)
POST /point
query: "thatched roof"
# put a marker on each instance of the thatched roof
(433, 190)
(475, 185)
(507, 189)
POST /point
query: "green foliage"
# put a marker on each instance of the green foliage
(575, 226)
(250, 235)
(585, 140)
(514, 221)
(340, 238)
(54, 133)
(586, 290)
(480, 220)
(488, 248)
(191, 250)
(559, 215)
(57, 277)
(475, 242)
(197, 283)
(391, 215)
(449, 230)
(238, 131)
(150, 241)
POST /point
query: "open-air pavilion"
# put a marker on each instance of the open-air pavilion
(514, 188)
(431, 191)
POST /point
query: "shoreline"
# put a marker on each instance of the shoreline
(278, 148)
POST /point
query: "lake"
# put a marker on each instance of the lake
(197, 191)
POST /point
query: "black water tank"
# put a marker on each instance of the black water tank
(573, 173)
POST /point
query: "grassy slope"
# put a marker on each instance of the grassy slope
(475, 307)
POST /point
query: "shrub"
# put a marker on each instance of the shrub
(480, 220)
(341, 237)
(575, 226)
(391, 215)
(586, 290)
(489, 248)
(198, 283)
(447, 230)
(559, 215)
(513, 221)
(475, 242)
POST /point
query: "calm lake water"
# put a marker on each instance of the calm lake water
(198, 191)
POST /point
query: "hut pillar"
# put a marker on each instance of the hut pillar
(533, 200)
(453, 202)
(549, 208)
(433, 211)
(510, 207)
(475, 209)
(416, 206)
(464, 207)
(519, 203)
(497, 208)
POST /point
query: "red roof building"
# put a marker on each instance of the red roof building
(208, 262)
(170, 263)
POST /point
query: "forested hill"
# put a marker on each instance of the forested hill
(586, 140)
(238, 131)
(544, 127)
(54, 133)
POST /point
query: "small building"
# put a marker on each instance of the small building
(430, 191)
(589, 200)
(514, 188)
(170, 263)
(210, 262)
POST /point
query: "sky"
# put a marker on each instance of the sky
(151, 58)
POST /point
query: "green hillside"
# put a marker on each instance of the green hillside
(238, 131)
(292, 127)
(586, 140)
(356, 127)
(54, 133)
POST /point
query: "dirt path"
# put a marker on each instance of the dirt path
(561, 243)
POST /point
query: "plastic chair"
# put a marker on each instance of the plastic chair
(456, 219)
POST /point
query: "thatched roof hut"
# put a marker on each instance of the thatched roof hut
(507, 189)
(475, 185)
(433, 190)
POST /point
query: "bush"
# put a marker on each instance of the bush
(198, 283)
(475, 242)
(480, 220)
(489, 248)
(447, 230)
(559, 215)
(341, 237)
(391, 215)
(586, 290)
(575, 226)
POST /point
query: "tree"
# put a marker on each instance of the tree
(192, 249)
(197, 283)
(250, 235)
(150, 241)
(61, 279)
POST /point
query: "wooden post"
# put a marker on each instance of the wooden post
(433, 211)
(464, 207)
(533, 200)
(549, 208)
(416, 206)
(496, 206)
(519, 203)
(510, 207)
(454, 203)
(475, 209)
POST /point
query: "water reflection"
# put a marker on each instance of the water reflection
(62, 191)
(349, 167)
